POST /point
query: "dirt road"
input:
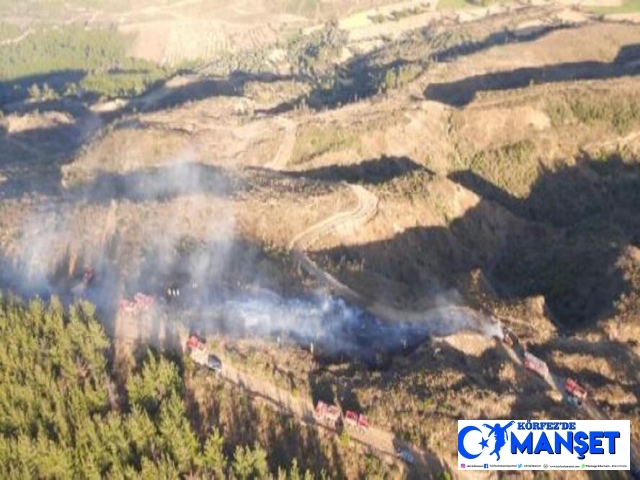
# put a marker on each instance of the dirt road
(382, 442)
(557, 383)
(365, 210)
(18, 39)
(440, 318)
(285, 151)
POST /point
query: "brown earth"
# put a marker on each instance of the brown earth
(488, 197)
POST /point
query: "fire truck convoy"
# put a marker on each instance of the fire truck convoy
(331, 414)
(576, 393)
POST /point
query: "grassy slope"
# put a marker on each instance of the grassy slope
(452, 4)
(8, 31)
(628, 6)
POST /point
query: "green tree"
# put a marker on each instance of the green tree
(213, 461)
(250, 463)
(178, 440)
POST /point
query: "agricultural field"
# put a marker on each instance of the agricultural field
(625, 7)
(70, 60)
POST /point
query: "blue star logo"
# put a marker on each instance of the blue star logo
(484, 443)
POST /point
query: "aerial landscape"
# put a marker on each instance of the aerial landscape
(304, 238)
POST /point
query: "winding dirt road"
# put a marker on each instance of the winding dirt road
(440, 318)
(18, 39)
(381, 441)
(426, 464)
(364, 211)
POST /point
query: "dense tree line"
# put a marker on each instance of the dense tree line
(60, 415)
(70, 60)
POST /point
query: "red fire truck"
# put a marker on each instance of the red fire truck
(575, 391)
(329, 414)
(356, 421)
(533, 363)
(199, 352)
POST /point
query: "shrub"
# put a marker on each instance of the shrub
(619, 113)
(345, 439)
(512, 167)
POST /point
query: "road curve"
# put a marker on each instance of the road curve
(18, 39)
(442, 318)
(364, 211)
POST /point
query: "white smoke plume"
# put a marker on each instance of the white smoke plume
(148, 214)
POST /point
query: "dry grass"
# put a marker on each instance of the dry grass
(512, 167)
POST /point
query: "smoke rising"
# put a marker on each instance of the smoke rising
(172, 229)
(333, 327)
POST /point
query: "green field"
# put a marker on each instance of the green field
(628, 6)
(8, 31)
(95, 61)
(453, 4)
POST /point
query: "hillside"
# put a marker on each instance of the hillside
(350, 201)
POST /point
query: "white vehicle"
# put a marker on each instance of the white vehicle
(198, 351)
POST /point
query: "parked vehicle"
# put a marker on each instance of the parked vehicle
(214, 363)
(329, 414)
(575, 390)
(355, 421)
(405, 455)
(140, 304)
(197, 349)
(571, 400)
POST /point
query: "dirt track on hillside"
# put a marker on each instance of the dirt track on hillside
(365, 210)
(285, 151)
(18, 39)
(382, 442)
(556, 383)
